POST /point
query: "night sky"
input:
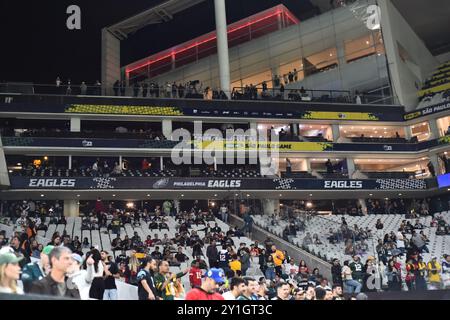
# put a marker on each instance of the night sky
(37, 47)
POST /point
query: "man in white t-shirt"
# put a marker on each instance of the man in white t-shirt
(237, 287)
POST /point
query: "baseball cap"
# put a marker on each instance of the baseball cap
(47, 250)
(216, 274)
(77, 258)
(9, 257)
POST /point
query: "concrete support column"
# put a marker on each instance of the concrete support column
(70, 162)
(307, 165)
(161, 163)
(435, 161)
(434, 129)
(4, 176)
(363, 205)
(167, 129)
(75, 124)
(295, 131)
(120, 161)
(336, 132)
(350, 167)
(71, 208)
(270, 205)
(408, 133)
(222, 46)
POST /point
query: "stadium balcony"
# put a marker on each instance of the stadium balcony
(390, 175)
(380, 140)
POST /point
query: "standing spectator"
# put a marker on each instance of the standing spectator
(78, 276)
(9, 273)
(83, 88)
(54, 284)
(421, 269)
(212, 254)
(214, 277)
(95, 276)
(283, 290)
(116, 88)
(269, 268)
(235, 265)
(195, 275)
(431, 169)
(146, 280)
(434, 274)
(224, 212)
(248, 227)
(336, 272)
(237, 287)
(358, 99)
(123, 88)
(145, 89)
(278, 258)
(111, 274)
(165, 282)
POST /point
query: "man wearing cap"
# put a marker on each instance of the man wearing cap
(208, 290)
(35, 271)
(79, 277)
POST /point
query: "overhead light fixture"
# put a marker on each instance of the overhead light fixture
(370, 194)
(130, 205)
(78, 195)
(42, 195)
(45, 158)
(248, 195)
(213, 204)
(309, 204)
(310, 195)
(113, 195)
(148, 195)
(182, 195)
(215, 195)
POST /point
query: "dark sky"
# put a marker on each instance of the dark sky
(37, 47)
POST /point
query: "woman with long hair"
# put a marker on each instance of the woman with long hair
(132, 269)
(9, 273)
(95, 276)
(393, 274)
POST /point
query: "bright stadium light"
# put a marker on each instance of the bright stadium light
(130, 205)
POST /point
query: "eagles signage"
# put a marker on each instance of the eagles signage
(52, 183)
(343, 184)
(122, 183)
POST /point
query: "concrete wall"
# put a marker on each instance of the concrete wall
(295, 252)
(405, 73)
(110, 61)
(4, 175)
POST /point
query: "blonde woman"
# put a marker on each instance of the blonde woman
(9, 273)
(133, 269)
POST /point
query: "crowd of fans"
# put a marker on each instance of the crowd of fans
(74, 268)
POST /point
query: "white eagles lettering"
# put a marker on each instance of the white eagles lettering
(224, 183)
(59, 183)
(343, 185)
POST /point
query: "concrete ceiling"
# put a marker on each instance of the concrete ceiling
(430, 20)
